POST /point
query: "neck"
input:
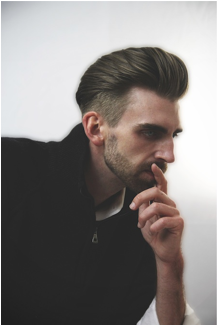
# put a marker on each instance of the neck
(100, 180)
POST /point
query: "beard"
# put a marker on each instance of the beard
(132, 177)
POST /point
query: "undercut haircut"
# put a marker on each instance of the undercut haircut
(105, 84)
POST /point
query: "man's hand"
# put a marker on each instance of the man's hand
(160, 221)
(162, 227)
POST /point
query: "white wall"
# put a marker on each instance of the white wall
(46, 47)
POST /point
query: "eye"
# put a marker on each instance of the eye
(175, 135)
(151, 135)
(148, 133)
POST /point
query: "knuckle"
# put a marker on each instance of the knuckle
(140, 219)
(155, 205)
(181, 222)
(138, 198)
(162, 222)
(162, 193)
(157, 191)
(174, 204)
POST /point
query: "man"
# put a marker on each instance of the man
(89, 233)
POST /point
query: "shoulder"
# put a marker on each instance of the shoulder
(23, 165)
(27, 164)
(22, 154)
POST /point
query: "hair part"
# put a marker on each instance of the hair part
(105, 84)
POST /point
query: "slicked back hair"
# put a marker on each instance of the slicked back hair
(105, 84)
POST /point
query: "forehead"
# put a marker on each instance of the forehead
(145, 106)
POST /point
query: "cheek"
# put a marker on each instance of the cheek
(138, 153)
(141, 147)
(135, 147)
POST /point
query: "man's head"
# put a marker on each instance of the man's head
(131, 112)
(105, 86)
(143, 136)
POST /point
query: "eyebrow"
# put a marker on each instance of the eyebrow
(157, 128)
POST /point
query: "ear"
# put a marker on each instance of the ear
(92, 123)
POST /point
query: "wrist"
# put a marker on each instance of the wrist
(175, 262)
(170, 301)
(171, 271)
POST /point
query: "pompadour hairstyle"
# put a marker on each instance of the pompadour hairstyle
(106, 82)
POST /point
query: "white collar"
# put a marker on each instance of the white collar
(111, 206)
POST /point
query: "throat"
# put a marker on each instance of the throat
(101, 183)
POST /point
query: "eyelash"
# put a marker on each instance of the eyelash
(147, 133)
(150, 134)
(154, 134)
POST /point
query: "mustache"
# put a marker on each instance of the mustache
(162, 165)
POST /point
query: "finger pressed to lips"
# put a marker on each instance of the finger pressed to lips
(159, 177)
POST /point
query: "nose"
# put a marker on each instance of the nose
(166, 151)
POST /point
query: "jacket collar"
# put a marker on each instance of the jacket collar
(68, 156)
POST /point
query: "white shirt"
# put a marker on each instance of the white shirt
(150, 316)
(111, 207)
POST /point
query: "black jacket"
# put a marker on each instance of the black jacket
(52, 273)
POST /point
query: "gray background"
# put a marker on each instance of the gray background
(46, 47)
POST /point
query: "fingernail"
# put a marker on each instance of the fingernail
(132, 205)
(139, 225)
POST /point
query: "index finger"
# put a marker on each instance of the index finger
(159, 177)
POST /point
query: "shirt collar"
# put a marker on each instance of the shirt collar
(111, 206)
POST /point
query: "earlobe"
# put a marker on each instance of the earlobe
(92, 123)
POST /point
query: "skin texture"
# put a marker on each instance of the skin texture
(129, 155)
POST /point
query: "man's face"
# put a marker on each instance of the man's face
(144, 135)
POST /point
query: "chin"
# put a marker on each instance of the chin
(141, 185)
